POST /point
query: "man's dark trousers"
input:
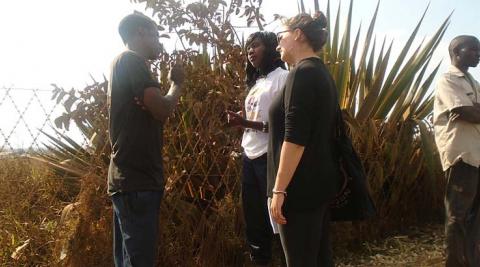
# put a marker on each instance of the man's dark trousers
(462, 203)
(135, 216)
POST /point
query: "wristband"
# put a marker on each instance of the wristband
(264, 127)
(279, 192)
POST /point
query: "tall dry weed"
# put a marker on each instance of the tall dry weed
(31, 199)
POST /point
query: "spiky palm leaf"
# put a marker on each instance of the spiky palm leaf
(388, 106)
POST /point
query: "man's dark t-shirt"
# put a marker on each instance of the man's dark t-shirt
(304, 113)
(135, 136)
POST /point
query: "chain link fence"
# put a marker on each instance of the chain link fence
(201, 161)
(28, 114)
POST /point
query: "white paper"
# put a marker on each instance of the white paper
(272, 222)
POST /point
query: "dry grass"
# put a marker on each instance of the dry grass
(416, 247)
(30, 205)
(30, 209)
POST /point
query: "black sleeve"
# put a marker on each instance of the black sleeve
(137, 75)
(299, 105)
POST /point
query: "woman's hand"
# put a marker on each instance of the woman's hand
(276, 208)
(235, 119)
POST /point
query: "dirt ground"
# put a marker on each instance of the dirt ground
(417, 247)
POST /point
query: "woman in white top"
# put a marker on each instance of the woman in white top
(266, 76)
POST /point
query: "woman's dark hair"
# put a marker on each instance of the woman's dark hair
(271, 58)
(314, 28)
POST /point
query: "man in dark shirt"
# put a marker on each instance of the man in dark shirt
(135, 175)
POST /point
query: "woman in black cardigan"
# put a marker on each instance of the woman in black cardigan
(302, 169)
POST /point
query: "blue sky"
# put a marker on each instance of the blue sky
(397, 19)
(64, 41)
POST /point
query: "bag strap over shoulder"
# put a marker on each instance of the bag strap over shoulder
(340, 129)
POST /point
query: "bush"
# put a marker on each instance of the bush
(31, 199)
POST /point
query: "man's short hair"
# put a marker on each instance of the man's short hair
(458, 42)
(131, 23)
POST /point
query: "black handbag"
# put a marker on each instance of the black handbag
(353, 202)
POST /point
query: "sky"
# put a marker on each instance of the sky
(66, 41)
